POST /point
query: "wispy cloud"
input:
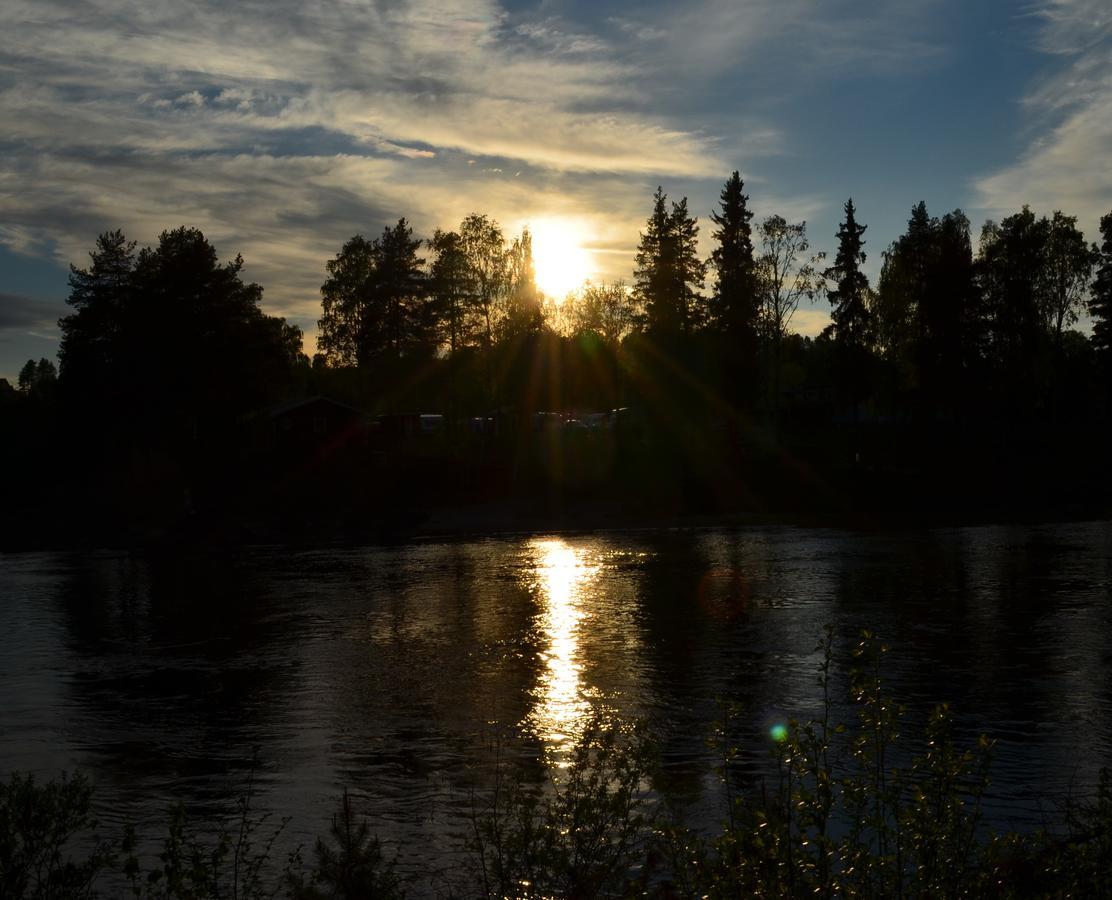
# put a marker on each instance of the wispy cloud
(282, 127)
(1068, 166)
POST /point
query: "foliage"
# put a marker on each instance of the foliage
(234, 863)
(351, 867)
(926, 317)
(484, 247)
(374, 300)
(450, 287)
(842, 818)
(602, 309)
(785, 274)
(1012, 280)
(37, 377)
(172, 335)
(524, 314)
(585, 836)
(852, 810)
(41, 827)
(1068, 269)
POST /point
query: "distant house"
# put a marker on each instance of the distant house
(391, 430)
(307, 425)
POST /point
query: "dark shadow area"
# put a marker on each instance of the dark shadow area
(449, 395)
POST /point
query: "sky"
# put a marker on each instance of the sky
(281, 128)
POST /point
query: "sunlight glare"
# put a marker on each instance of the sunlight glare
(561, 262)
(562, 576)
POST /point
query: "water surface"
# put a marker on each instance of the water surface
(403, 673)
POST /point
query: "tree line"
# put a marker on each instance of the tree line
(958, 357)
(941, 316)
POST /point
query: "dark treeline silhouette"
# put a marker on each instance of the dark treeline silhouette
(443, 377)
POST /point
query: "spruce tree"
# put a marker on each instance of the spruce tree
(1100, 302)
(733, 307)
(849, 297)
(668, 272)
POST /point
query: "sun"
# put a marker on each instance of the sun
(561, 262)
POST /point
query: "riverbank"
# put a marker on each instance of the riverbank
(500, 518)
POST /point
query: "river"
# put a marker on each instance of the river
(401, 673)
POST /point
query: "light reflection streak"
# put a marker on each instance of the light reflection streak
(562, 576)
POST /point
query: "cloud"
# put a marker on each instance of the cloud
(20, 313)
(1067, 166)
(280, 128)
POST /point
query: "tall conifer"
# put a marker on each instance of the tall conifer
(733, 307)
(849, 296)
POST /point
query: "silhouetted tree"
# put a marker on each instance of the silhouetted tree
(101, 295)
(902, 290)
(850, 315)
(374, 299)
(524, 314)
(171, 338)
(602, 309)
(484, 248)
(734, 305)
(1011, 276)
(785, 275)
(1100, 303)
(37, 378)
(401, 291)
(346, 299)
(669, 273)
(1069, 268)
(925, 302)
(451, 287)
(949, 322)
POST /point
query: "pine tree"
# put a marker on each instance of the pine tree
(373, 302)
(99, 296)
(849, 297)
(733, 307)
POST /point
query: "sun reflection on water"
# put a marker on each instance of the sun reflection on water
(562, 574)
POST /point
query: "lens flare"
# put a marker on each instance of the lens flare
(778, 732)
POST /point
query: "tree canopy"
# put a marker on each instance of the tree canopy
(170, 335)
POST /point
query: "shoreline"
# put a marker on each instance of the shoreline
(510, 519)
